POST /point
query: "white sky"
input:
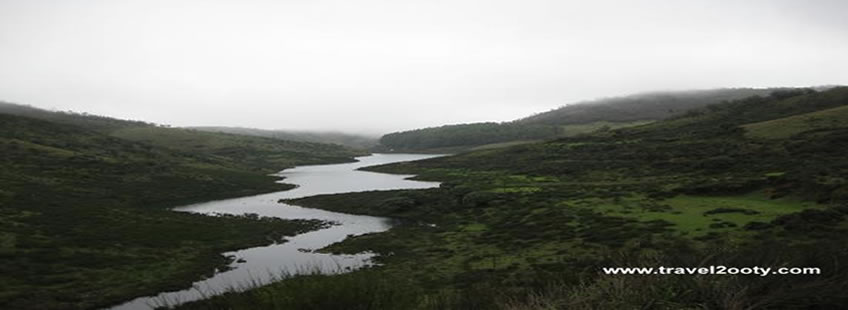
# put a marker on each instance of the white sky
(378, 66)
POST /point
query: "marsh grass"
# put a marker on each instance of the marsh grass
(312, 288)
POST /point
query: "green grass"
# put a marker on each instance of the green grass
(691, 214)
(500, 145)
(576, 129)
(360, 290)
(790, 126)
(517, 189)
(475, 227)
(242, 151)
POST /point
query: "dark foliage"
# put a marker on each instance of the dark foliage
(82, 211)
(466, 135)
(652, 106)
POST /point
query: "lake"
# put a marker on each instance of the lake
(261, 265)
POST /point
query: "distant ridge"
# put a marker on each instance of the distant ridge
(643, 106)
(570, 120)
(248, 152)
(340, 138)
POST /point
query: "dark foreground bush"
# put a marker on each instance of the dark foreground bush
(376, 289)
(361, 290)
(823, 291)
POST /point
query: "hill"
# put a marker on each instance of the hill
(465, 135)
(639, 107)
(263, 154)
(83, 120)
(349, 140)
(83, 205)
(240, 151)
(532, 226)
(569, 120)
(818, 122)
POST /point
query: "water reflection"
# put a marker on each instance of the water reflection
(261, 265)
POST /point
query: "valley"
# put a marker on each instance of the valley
(423, 155)
(531, 225)
(745, 182)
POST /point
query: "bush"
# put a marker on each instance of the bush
(731, 210)
(479, 198)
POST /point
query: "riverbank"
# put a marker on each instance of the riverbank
(532, 226)
(119, 254)
(264, 264)
(83, 218)
(63, 255)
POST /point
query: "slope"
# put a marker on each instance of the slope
(241, 151)
(349, 140)
(249, 152)
(82, 211)
(782, 128)
(647, 106)
(569, 120)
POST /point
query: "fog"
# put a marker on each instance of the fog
(379, 66)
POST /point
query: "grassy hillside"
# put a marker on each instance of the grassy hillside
(578, 129)
(82, 206)
(648, 106)
(45, 156)
(349, 140)
(241, 151)
(83, 120)
(530, 226)
(569, 120)
(830, 119)
(265, 154)
(465, 135)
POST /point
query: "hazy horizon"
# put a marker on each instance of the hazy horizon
(377, 134)
(381, 66)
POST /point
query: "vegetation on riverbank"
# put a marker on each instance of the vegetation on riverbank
(530, 226)
(83, 222)
(379, 288)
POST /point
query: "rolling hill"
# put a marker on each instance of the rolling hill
(639, 107)
(569, 120)
(819, 122)
(362, 142)
(239, 151)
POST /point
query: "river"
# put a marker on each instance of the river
(261, 265)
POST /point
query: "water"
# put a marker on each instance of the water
(261, 265)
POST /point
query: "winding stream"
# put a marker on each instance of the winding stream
(260, 265)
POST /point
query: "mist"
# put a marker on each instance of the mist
(380, 66)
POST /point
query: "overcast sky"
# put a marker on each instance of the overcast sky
(378, 66)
